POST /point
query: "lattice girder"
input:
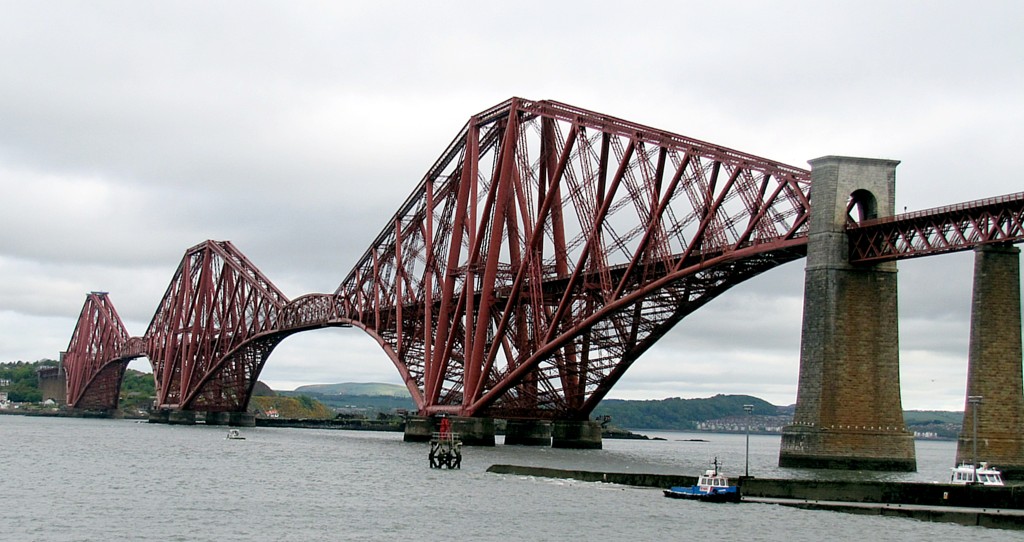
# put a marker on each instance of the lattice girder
(536, 194)
(935, 231)
(544, 251)
(93, 363)
(216, 302)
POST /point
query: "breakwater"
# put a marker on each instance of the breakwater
(998, 507)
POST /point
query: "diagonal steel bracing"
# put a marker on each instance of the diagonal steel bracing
(940, 230)
(543, 252)
(550, 246)
(209, 338)
(97, 356)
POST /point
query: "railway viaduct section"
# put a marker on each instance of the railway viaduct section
(549, 247)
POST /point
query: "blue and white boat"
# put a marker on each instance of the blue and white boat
(712, 486)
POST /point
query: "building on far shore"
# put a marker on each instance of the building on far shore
(53, 383)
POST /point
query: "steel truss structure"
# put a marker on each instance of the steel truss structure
(936, 231)
(550, 246)
(97, 356)
(543, 252)
(213, 330)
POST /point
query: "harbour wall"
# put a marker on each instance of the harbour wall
(967, 505)
(1009, 497)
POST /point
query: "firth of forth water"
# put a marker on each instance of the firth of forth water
(104, 480)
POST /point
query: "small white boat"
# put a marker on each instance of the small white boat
(987, 476)
(234, 434)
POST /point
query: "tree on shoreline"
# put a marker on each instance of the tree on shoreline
(21, 380)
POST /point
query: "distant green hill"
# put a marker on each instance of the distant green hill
(355, 388)
(679, 414)
(923, 417)
(360, 397)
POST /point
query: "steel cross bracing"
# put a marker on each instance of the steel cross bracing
(96, 357)
(539, 257)
(545, 250)
(550, 246)
(943, 229)
(213, 330)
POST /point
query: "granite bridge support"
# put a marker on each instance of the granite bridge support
(528, 433)
(472, 431)
(994, 372)
(849, 414)
(585, 434)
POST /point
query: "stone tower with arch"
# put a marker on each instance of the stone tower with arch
(849, 413)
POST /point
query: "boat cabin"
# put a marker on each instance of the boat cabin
(987, 476)
(712, 479)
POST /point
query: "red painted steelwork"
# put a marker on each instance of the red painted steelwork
(935, 231)
(543, 252)
(550, 246)
(210, 335)
(97, 356)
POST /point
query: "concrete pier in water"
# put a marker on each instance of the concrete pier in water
(528, 432)
(472, 431)
(241, 419)
(580, 435)
(189, 417)
(181, 417)
(218, 418)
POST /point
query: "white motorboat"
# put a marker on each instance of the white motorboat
(964, 475)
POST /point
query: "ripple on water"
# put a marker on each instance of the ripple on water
(74, 479)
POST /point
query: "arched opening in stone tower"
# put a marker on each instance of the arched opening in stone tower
(863, 206)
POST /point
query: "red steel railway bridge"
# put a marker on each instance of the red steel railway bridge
(546, 250)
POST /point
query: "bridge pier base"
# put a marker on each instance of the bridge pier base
(472, 431)
(112, 413)
(848, 449)
(848, 410)
(241, 419)
(579, 435)
(159, 416)
(181, 417)
(994, 364)
(418, 429)
(218, 418)
(528, 432)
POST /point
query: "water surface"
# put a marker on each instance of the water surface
(92, 480)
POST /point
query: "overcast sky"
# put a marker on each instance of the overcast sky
(131, 131)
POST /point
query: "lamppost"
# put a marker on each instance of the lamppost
(975, 402)
(746, 469)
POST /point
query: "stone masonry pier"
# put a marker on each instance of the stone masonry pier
(848, 413)
(994, 364)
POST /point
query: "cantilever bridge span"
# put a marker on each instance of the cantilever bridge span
(545, 250)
